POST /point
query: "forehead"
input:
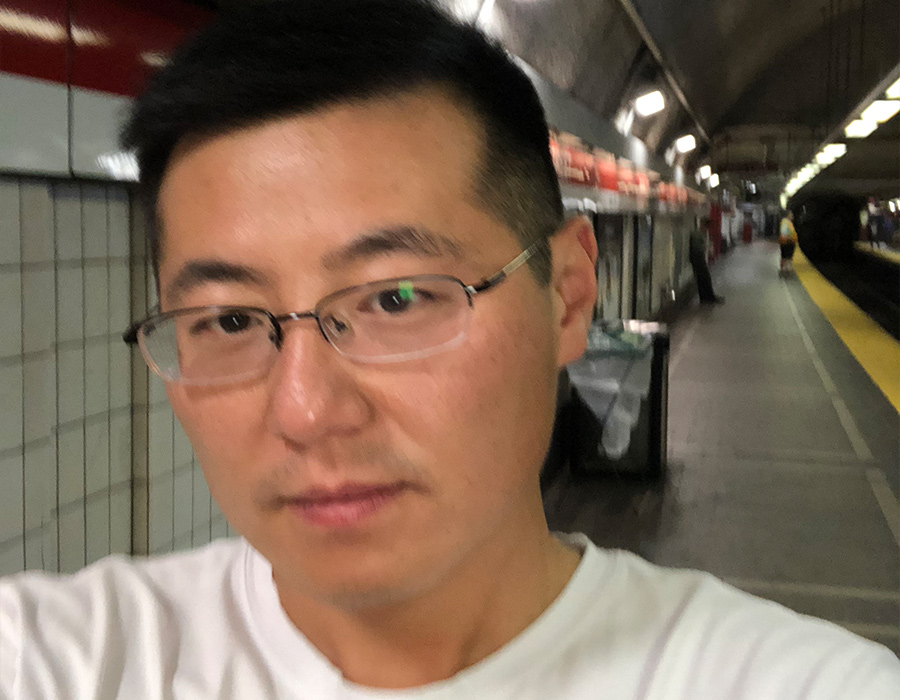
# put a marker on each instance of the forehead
(349, 167)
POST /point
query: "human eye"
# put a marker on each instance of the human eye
(398, 298)
(232, 322)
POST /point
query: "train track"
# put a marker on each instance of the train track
(872, 283)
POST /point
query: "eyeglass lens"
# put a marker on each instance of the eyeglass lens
(379, 322)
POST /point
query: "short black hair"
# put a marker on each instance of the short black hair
(275, 59)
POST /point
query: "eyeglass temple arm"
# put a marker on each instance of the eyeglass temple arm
(130, 336)
(505, 271)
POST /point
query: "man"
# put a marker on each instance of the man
(367, 289)
(697, 255)
(787, 241)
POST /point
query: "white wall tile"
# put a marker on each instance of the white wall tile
(96, 525)
(200, 512)
(94, 223)
(119, 298)
(219, 526)
(39, 397)
(70, 390)
(71, 539)
(67, 202)
(10, 405)
(96, 459)
(119, 375)
(184, 502)
(12, 557)
(34, 550)
(40, 477)
(10, 239)
(39, 310)
(37, 221)
(183, 451)
(96, 378)
(160, 515)
(10, 313)
(119, 211)
(119, 448)
(12, 504)
(70, 457)
(96, 300)
(50, 549)
(157, 389)
(69, 304)
(120, 521)
(160, 441)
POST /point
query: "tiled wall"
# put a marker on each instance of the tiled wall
(91, 458)
(172, 503)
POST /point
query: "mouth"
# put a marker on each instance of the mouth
(345, 506)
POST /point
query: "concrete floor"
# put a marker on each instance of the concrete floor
(784, 460)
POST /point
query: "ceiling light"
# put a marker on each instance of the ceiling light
(835, 150)
(688, 143)
(859, 129)
(893, 207)
(880, 111)
(893, 92)
(651, 103)
(713, 179)
(824, 159)
(705, 171)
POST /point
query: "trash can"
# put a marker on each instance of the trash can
(623, 378)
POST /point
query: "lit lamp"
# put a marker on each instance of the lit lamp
(714, 180)
(859, 129)
(705, 171)
(651, 103)
(686, 144)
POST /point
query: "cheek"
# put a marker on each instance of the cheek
(224, 428)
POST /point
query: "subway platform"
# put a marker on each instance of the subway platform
(783, 453)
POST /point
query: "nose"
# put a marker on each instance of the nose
(313, 395)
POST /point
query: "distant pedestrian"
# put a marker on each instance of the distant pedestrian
(788, 240)
(697, 254)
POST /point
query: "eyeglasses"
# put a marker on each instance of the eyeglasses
(393, 320)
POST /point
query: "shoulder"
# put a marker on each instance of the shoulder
(96, 617)
(695, 633)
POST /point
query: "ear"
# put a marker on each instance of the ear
(574, 286)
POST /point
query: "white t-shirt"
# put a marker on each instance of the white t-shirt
(207, 624)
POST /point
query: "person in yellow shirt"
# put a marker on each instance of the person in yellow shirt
(787, 238)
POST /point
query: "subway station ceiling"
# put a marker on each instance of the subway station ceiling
(761, 84)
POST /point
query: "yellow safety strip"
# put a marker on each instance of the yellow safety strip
(873, 348)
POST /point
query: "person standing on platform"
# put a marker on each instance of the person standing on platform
(367, 290)
(787, 240)
(697, 246)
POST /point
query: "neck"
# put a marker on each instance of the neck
(474, 611)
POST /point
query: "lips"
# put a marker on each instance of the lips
(345, 506)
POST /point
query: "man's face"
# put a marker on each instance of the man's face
(452, 443)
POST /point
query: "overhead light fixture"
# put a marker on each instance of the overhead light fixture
(835, 150)
(705, 171)
(880, 111)
(893, 92)
(688, 143)
(859, 129)
(651, 103)
(892, 206)
(713, 179)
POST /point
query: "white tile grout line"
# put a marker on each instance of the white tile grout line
(863, 453)
(815, 589)
(885, 497)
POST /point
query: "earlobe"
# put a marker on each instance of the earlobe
(575, 286)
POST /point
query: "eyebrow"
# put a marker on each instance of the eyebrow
(196, 273)
(388, 241)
